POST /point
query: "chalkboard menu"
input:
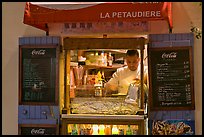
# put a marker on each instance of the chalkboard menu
(171, 78)
(38, 130)
(38, 74)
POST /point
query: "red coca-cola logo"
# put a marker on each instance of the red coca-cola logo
(170, 55)
(40, 131)
(38, 52)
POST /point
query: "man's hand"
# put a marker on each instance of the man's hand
(109, 89)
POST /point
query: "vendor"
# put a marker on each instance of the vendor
(124, 76)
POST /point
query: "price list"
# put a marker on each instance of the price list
(38, 75)
(171, 78)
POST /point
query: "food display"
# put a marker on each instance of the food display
(171, 128)
(105, 105)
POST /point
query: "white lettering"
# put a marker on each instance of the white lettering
(38, 52)
(101, 16)
(125, 14)
(38, 131)
(119, 14)
(147, 14)
(128, 15)
(107, 15)
(158, 13)
(152, 13)
(170, 55)
(139, 14)
(114, 14)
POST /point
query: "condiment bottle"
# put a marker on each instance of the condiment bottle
(110, 59)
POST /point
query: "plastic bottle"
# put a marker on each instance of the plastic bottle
(95, 130)
(110, 59)
(101, 130)
(100, 59)
(99, 78)
(129, 131)
(105, 60)
(121, 130)
(108, 129)
(115, 130)
(74, 130)
(135, 130)
(82, 129)
(96, 58)
(69, 129)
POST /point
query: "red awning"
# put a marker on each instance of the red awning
(40, 15)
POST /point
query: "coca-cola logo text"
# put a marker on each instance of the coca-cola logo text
(40, 131)
(170, 55)
(38, 52)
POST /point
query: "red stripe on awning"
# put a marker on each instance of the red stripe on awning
(38, 16)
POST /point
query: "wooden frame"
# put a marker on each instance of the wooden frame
(99, 43)
(103, 119)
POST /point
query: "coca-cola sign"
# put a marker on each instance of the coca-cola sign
(38, 52)
(52, 130)
(169, 56)
(40, 131)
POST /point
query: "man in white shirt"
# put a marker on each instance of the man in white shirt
(124, 76)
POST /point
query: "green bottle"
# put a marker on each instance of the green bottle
(128, 131)
(74, 130)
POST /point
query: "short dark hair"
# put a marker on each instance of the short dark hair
(132, 53)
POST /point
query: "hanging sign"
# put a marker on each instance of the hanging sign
(41, 15)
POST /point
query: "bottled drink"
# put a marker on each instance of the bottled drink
(82, 129)
(114, 130)
(95, 130)
(101, 130)
(129, 131)
(108, 130)
(96, 58)
(110, 59)
(135, 130)
(121, 129)
(74, 130)
(69, 129)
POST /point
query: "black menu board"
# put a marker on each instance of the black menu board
(171, 78)
(38, 74)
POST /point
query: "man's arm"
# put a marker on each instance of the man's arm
(112, 85)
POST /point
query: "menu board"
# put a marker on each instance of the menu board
(171, 78)
(38, 74)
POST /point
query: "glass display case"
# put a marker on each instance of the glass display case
(86, 110)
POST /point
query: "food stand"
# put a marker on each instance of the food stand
(101, 115)
(81, 111)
